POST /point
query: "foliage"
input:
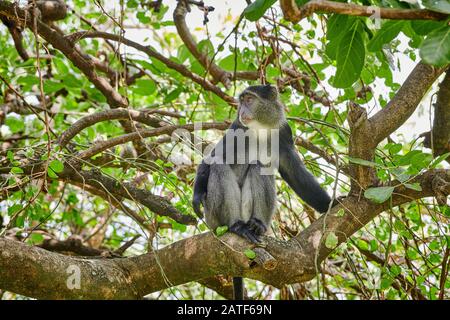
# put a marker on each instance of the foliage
(338, 59)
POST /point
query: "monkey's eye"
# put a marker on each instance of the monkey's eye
(248, 99)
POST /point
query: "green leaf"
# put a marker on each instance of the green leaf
(331, 241)
(56, 165)
(413, 186)
(28, 81)
(229, 62)
(15, 124)
(379, 194)
(439, 159)
(400, 174)
(257, 9)
(395, 148)
(350, 58)
(395, 270)
(250, 254)
(52, 86)
(142, 17)
(331, 48)
(173, 95)
(144, 87)
(407, 158)
(16, 170)
(132, 4)
(14, 209)
(437, 5)
(386, 34)
(10, 155)
(37, 238)
(52, 174)
(424, 27)
(336, 25)
(340, 213)
(71, 82)
(435, 49)
(220, 231)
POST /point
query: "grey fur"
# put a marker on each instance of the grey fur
(239, 192)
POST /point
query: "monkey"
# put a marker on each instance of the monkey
(230, 184)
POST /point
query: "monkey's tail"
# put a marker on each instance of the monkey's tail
(238, 288)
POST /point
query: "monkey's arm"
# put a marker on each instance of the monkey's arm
(200, 188)
(294, 172)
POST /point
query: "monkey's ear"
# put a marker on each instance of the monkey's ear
(271, 92)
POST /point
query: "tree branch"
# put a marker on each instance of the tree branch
(114, 114)
(294, 13)
(439, 138)
(366, 133)
(405, 101)
(157, 204)
(193, 259)
(151, 53)
(179, 18)
(104, 145)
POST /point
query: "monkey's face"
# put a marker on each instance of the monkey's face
(247, 108)
(259, 108)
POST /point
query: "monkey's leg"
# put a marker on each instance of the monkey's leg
(241, 227)
(264, 200)
(223, 202)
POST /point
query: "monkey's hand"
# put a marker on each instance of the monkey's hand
(197, 202)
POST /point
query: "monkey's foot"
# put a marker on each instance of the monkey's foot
(242, 229)
(257, 226)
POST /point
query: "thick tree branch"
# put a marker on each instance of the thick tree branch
(366, 133)
(16, 34)
(294, 13)
(405, 101)
(360, 147)
(195, 258)
(439, 138)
